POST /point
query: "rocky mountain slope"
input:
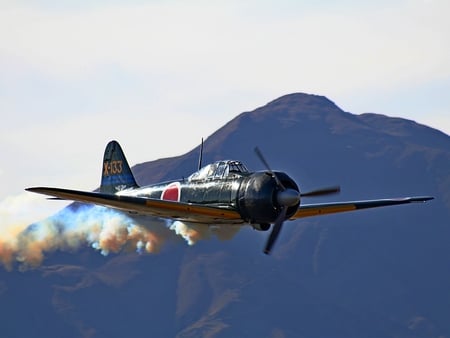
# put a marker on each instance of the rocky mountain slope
(373, 273)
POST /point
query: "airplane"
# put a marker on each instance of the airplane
(221, 193)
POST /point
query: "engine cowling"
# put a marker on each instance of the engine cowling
(257, 198)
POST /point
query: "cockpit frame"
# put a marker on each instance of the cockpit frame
(220, 170)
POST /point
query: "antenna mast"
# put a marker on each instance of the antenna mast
(201, 156)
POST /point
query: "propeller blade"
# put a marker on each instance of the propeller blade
(275, 231)
(322, 192)
(263, 160)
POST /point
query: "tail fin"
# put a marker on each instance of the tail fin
(116, 173)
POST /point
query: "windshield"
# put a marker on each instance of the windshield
(219, 169)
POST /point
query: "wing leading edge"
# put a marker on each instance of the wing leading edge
(154, 207)
(308, 210)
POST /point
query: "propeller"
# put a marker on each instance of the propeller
(287, 198)
(321, 192)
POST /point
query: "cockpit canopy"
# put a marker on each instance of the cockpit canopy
(219, 169)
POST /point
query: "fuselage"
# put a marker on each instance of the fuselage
(225, 184)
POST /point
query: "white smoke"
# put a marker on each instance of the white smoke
(103, 229)
(193, 232)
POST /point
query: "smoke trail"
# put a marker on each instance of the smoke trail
(78, 225)
(103, 229)
(16, 213)
(192, 232)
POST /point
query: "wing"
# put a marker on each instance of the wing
(332, 208)
(195, 213)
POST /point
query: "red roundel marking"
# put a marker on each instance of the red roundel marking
(172, 192)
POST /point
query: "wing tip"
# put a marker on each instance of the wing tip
(420, 199)
(37, 190)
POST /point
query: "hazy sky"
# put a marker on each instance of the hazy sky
(159, 75)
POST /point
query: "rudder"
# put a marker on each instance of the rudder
(116, 173)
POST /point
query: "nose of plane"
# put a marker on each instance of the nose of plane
(288, 197)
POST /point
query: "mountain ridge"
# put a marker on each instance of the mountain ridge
(318, 118)
(374, 273)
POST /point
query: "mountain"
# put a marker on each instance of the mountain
(372, 273)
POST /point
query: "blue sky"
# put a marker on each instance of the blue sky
(75, 74)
